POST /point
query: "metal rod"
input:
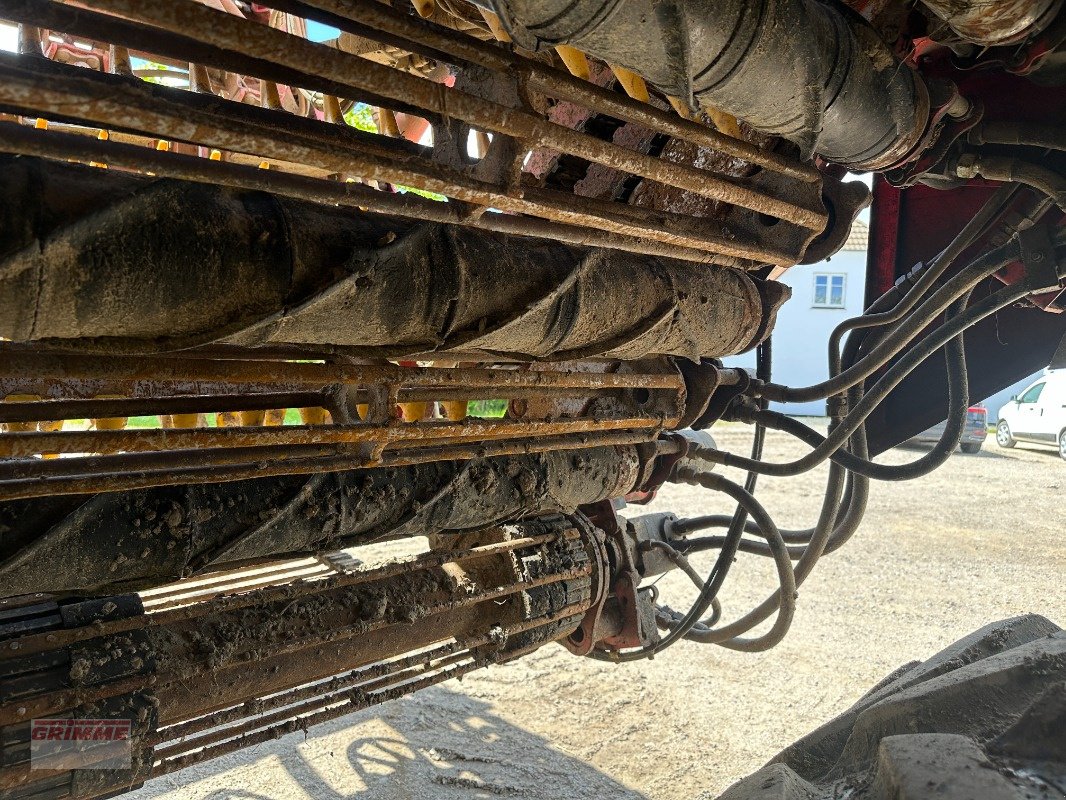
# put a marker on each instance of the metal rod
(166, 474)
(51, 702)
(21, 363)
(198, 440)
(576, 220)
(372, 16)
(231, 33)
(42, 642)
(28, 411)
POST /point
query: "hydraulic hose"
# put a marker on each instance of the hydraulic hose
(879, 355)
(1028, 134)
(785, 574)
(1004, 168)
(746, 504)
(852, 509)
(784, 599)
(893, 305)
(880, 390)
(958, 403)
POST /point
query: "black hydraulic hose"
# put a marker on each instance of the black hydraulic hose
(701, 543)
(958, 403)
(675, 556)
(729, 635)
(852, 509)
(708, 597)
(785, 573)
(1005, 168)
(880, 390)
(683, 527)
(1029, 134)
(713, 585)
(852, 506)
(897, 301)
(857, 494)
(1030, 210)
(738, 522)
(879, 355)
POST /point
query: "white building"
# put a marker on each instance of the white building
(823, 295)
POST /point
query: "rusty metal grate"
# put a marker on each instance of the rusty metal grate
(295, 142)
(353, 416)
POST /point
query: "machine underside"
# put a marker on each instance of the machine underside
(455, 280)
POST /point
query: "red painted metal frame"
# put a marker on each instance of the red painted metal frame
(912, 225)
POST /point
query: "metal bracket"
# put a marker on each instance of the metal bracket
(1038, 259)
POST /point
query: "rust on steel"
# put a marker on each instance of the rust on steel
(23, 364)
(389, 633)
(138, 440)
(31, 644)
(231, 33)
(541, 77)
(183, 666)
(118, 472)
(308, 151)
(104, 105)
(581, 405)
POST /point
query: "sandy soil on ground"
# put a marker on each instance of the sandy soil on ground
(979, 540)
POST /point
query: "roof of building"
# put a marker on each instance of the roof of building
(859, 237)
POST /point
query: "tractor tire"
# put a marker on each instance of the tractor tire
(984, 719)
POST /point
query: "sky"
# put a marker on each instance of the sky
(868, 179)
(8, 37)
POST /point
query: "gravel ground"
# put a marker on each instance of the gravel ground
(978, 540)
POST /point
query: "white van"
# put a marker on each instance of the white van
(1037, 415)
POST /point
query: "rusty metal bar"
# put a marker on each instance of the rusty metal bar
(33, 644)
(362, 76)
(24, 364)
(23, 445)
(356, 678)
(371, 17)
(39, 410)
(25, 411)
(348, 681)
(55, 701)
(280, 676)
(359, 196)
(352, 705)
(170, 455)
(176, 50)
(577, 219)
(260, 464)
(375, 694)
(52, 702)
(314, 701)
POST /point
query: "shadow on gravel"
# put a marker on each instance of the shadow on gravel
(437, 745)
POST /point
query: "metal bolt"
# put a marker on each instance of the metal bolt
(967, 166)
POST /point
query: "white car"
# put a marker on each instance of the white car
(1037, 415)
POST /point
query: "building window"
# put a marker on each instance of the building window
(828, 291)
